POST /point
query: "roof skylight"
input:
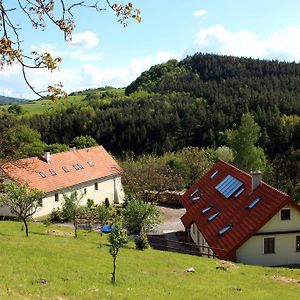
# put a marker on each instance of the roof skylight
(225, 229)
(207, 209)
(228, 186)
(214, 174)
(80, 166)
(91, 164)
(213, 216)
(42, 174)
(66, 170)
(239, 192)
(76, 166)
(194, 192)
(53, 173)
(253, 203)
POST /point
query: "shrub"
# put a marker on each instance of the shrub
(107, 203)
(56, 216)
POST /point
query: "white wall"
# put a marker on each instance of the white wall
(109, 187)
(199, 239)
(252, 252)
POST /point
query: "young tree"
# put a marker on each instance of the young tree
(71, 209)
(39, 12)
(117, 239)
(84, 141)
(102, 214)
(22, 201)
(139, 218)
(242, 141)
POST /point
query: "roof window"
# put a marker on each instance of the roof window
(80, 166)
(76, 167)
(207, 209)
(53, 173)
(91, 164)
(66, 170)
(228, 186)
(213, 216)
(239, 192)
(225, 229)
(253, 203)
(42, 174)
(194, 192)
(214, 174)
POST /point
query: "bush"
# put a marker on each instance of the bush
(56, 216)
(107, 203)
(141, 241)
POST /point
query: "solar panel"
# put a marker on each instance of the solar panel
(225, 229)
(213, 216)
(253, 203)
(228, 186)
(214, 174)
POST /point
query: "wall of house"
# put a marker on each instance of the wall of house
(199, 239)
(108, 187)
(252, 251)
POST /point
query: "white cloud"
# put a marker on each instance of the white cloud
(87, 40)
(200, 13)
(283, 44)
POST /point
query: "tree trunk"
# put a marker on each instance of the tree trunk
(26, 227)
(75, 228)
(113, 278)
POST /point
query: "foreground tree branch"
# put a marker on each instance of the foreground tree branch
(39, 13)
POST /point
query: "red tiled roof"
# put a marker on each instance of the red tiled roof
(245, 222)
(27, 170)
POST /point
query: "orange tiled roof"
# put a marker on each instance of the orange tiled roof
(28, 169)
(233, 210)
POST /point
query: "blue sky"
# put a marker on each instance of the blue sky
(102, 52)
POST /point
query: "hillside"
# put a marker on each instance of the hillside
(45, 266)
(10, 100)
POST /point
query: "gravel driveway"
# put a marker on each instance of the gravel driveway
(171, 220)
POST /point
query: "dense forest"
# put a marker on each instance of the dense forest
(188, 103)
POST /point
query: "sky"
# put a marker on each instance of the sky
(102, 52)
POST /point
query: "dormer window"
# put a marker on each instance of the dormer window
(285, 214)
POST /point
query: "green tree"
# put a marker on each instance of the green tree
(139, 218)
(84, 141)
(242, 141)
(224, 153)
(117, 239)
(22, 201)
(15, 109)
(103, 214)
(71, 209)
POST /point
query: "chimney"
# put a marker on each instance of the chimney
(48, 157)
(256, 179)
(72, 148)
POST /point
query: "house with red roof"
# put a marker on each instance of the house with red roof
(92, 172)
(239, 217)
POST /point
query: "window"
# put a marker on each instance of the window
(90, 163)
(96, 186)
(76, 167)
(42, 174)
(84, 191)
(53, 173)
(80, 166)
(65, 169)
(298, 243)
(214, 174)
(253, 203)
(239, 192)
(225, 229)
(40, 202)
(269, 245)
(213, 216)
(56, 197)
(207, 209)
(285, 214)
(194, 192)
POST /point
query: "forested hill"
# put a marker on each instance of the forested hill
(10, 100)
(227, 82)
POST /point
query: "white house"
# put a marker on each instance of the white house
(92, 172)
(236, 216)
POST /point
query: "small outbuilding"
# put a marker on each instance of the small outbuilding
(239, 217)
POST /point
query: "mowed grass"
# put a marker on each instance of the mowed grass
(80, 269)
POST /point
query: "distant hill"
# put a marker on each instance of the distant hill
(9, 100)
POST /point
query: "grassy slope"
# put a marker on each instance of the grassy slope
(80, 269)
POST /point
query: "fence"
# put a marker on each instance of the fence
(161, 243)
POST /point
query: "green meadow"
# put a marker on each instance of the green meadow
(47, 266)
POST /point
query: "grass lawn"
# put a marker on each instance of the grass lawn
(80, 269)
